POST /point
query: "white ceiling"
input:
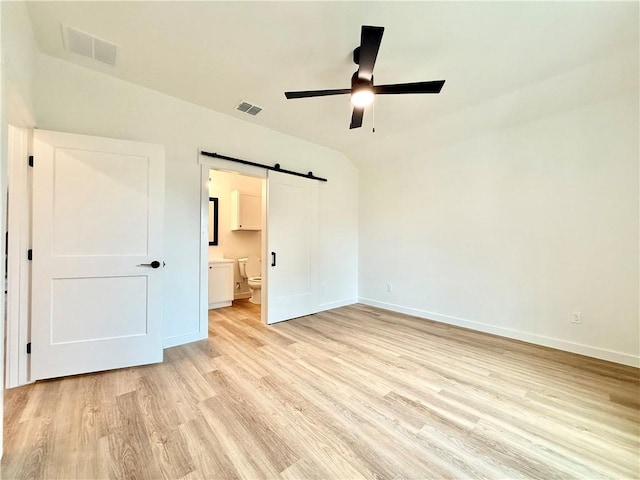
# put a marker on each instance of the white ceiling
(217, 53)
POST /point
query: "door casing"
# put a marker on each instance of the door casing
(19, 270)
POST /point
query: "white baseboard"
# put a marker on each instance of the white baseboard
(596, 352)
(242, 295)
(182, 339)
(338, 303)
(219, 305)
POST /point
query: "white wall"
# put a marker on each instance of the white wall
(18, 64)
(73, 99)
(510, 226)
(234, 244)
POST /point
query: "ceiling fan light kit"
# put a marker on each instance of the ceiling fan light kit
(362, 89)
(362, 97)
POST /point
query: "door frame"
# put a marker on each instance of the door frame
(210, 163)
(18, 301)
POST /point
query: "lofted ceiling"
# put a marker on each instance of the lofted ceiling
(215, 54)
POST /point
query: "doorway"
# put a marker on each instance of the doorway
(235, 247)
(289, 249)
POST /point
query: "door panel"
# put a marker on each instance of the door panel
(97, 218)
(76, 299)
(117, 227)
(292, 236)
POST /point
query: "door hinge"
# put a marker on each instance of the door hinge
(30, 254)
(29, 348)
(31, 160)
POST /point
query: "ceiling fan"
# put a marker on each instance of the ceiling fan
(362, 89)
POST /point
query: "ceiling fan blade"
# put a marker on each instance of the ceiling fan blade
(433, 86)
(356, 117)
(370, 39)
(317, 93)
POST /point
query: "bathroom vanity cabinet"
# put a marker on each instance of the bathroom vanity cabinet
(246, 212)
(220, 283)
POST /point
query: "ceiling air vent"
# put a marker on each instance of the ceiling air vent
(89, 46)
(249, 108)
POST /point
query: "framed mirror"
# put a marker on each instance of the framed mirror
(213, 221)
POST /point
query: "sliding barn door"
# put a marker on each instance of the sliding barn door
(292, 285)
(97, 254)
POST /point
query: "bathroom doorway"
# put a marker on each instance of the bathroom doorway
(235, 250)
(289, 234)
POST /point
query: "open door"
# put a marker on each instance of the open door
(97, 254)
(292, 285)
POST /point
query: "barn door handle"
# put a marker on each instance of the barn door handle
(154, 264)
(273, 259)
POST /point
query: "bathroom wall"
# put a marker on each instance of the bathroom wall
(233, 244)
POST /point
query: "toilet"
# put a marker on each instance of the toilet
(250, 269)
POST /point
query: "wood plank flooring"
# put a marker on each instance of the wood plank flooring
(355, 392)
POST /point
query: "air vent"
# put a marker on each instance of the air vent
(249, 108)
(89, 46)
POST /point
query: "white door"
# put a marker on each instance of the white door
(97, 220)
(291, 246)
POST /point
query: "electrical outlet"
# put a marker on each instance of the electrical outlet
(389, 288)
(576, 317)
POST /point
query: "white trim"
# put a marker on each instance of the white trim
(264, 248)
(213, 306)
(17, 370)
(242, 295)
(185, 338)
(337, 304)
(596, 352)
(203, 322)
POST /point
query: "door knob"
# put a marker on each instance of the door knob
(154, 264)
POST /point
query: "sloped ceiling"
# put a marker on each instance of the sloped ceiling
(217, 53)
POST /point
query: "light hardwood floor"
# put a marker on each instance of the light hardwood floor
(351, 393)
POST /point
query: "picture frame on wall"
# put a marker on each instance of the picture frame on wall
(213, 221)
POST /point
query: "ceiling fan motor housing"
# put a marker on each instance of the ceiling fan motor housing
(358, 83)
